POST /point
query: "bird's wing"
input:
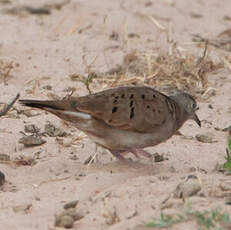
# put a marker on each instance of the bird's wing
(128, 108)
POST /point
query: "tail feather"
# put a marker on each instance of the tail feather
(54, 105)
(63, 108)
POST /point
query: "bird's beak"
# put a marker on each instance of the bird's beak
(196, 119)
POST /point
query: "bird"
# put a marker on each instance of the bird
(124, 119)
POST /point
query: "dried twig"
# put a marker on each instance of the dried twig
(9, 106)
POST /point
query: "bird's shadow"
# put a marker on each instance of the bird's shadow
(130, 167)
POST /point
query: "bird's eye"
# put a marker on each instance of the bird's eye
(194, 105)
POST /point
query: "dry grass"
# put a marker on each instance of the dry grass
(165, 72)
(5, 70)
(174, 69)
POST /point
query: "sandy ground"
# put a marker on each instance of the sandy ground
(45, 50)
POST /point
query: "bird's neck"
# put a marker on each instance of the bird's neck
(180, 115)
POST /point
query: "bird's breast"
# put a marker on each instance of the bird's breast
(116, 139)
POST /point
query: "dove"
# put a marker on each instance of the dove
(124, 119)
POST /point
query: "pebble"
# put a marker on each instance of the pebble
(71, 204)
(53, 131)
(30, 141)
(65, 221)
(22, 208)
(31, 129)
(67, 218)
(228, 200)
(205, 138)
(4, 157)
(2, 178)
(187, 188)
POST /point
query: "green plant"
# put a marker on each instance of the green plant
(165, 221)
(227, 164)
(214, 219)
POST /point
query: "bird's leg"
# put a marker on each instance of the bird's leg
(134, 152)
(117, 154)
(137, 151)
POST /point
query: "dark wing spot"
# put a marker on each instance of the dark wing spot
(131, 103)
(148, 106)
(112, 94)
(114, 109)
(143, 96)
(158, 111)
(116, 99)
(110, 121)
(132, 113)
(123, 96)
(154, 96)
(132, 96)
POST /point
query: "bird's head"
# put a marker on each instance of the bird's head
(189, 104)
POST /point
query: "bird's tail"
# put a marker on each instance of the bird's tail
(46, 105)
(64, 109)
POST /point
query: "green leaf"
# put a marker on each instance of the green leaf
(229, 145)
(225, 218)
(158, 224)
(227, 165)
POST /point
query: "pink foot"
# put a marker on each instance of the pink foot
(137, 151)
(117, 154)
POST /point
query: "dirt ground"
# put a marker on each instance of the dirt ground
(41, 50)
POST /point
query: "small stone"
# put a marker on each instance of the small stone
(227, 18)
(31, 128)
(53, 131)
(74, 158)
(67, 218)
(132, 215)
(191, 176)
(133, 35)
(65, 221)
(114, 36)
(187, 188)
(4, 157)
(82, 174)
(71, 204)
(30, 113)
(2, 178)
(22, 208)
(210, 106)
(47, 87)
(226, 187)
(205, 138)
(76, 215)
(227, 129)
(30, 141)
(159, 157)
(228, 200)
